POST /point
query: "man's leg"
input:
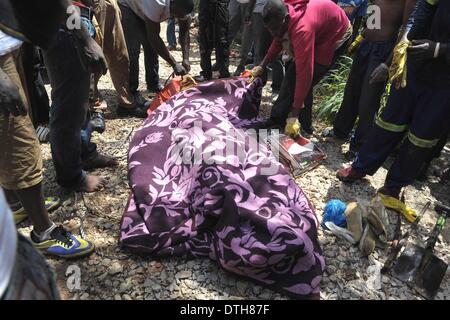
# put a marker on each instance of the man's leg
(33, 201)
(20, 159)
(70, 90)
(278, 72)
(370, 99)
(133, 38)
(246, 42)
(283, 104)
(305, 116)
(427, 127)
(170, 34)
(261, 39)
(368, 105)
(435, 153)
(348, 111)
(261, 42)
(221, 37)
(205, 35)
(235, 19)
(151, 64)
(116, 54)
(388, 131)
(21, 174)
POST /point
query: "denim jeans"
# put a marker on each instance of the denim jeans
(414, 117)
(135, 35)
(68, 114)
(171, 36)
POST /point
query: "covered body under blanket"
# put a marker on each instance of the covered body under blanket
(254, 222)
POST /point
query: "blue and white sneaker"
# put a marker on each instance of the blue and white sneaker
(63, 244)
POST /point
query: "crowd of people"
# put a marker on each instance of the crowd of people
(294, 43)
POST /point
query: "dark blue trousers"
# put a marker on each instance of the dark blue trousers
(362, 99)
(415, 116)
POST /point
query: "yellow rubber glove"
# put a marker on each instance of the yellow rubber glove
(396, 205)
(355, 44)
(292, 127)
(398, 69)
(256, 72)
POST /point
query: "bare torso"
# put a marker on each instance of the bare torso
(392, 16)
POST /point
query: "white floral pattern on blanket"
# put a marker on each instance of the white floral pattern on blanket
(258, 226)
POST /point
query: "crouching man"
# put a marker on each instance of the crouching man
(314, 33)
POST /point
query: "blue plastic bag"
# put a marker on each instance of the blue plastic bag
(334, 211)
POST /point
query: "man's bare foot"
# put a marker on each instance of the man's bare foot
(100, 161)
(92, 184)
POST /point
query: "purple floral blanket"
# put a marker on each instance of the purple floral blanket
(203, 186)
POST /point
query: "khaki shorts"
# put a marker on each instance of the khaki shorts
(20, 151)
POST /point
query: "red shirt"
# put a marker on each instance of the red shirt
(314, 28)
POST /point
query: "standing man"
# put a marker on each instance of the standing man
(237, 10)
(262, 39)
(312, 32)
(369, 74)
(70, 73)
(170, 34)
(21, 159)
(213, 34)
(136, 36)
(416, 115)
(108, 16)
(184, 24)
(141, 20)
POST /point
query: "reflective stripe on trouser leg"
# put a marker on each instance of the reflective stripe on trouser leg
(421, 143)
(392, 127)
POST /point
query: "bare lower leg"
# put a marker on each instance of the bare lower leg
(12, 200)
(32, 200)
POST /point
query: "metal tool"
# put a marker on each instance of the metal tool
(419, 266)
(402, 241)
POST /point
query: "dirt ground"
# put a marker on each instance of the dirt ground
(113, 274)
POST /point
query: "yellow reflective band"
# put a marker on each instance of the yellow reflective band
(421, 143)
(432, 2)
(390, 126)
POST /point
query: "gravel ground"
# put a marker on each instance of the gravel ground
(112, 274)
